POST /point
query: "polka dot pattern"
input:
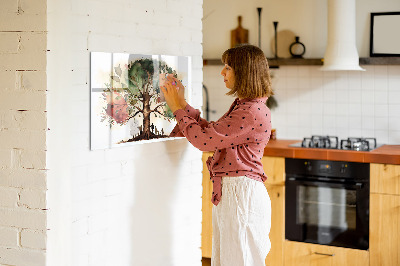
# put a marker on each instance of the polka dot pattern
(238, 139)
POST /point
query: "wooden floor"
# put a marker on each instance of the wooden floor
(206, 261)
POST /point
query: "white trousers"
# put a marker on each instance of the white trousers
(241, 223)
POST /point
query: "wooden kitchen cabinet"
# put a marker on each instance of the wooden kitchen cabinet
(277, 233)
(206, 226)
(385, 178)
(385, 215)
(384, 236)
(274, 168)
(305, 254)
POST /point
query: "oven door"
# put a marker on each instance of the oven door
(327, 213)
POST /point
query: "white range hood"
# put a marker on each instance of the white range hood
(341, 51)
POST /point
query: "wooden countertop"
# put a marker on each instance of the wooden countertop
(389, 154)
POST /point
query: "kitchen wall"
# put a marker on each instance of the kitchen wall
(60, 203)
(342, 103)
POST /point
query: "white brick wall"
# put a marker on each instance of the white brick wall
(138, 205)
(23, 128)
(109, 207)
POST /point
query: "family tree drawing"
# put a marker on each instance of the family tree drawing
(131, 100)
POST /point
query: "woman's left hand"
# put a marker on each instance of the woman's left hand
(170, 90)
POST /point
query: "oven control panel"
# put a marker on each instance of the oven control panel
(337, 169)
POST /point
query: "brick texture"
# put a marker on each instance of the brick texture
(23, 125)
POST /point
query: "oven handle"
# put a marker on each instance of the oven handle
(357, 185)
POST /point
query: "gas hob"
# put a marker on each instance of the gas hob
(332, 142)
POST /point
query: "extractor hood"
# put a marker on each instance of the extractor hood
(341, 51)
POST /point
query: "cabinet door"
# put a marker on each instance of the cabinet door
(385, 178)
(304, 254)
(277, 233)
(206, 232)
(384, 230)
(274, 168)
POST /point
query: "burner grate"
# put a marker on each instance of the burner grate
(358, 144)
(327, 142)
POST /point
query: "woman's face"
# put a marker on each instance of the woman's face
(229, 76)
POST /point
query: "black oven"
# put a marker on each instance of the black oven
(327, 202)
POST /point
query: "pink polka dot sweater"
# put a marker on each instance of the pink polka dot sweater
(238, 139)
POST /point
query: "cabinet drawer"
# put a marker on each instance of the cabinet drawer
(385, 178)
(304, 254)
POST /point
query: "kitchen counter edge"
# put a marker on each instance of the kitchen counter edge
(385, 154)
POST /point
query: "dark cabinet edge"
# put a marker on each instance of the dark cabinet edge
(380, 61)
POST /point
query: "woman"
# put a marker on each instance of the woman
(242, 208)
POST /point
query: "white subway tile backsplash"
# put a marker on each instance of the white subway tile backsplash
(394, 71)
(304, 109)
(367, 133)
(342, 81)
(367, 110)
(394, 82)
(381, 84)
(355, 122)
(394, 110)
(368, 122)
(315, 71)
(291, 71)
(342, 133)
(355, 109)
(342, 109)
(355, 132)
(382, 136)
(380, 71)
(304, 72)
(304, 82)
(394, 136)
(328, 74)
(292, 83)
(367, 96)
(342, 122)
(316, 83)
(381, 123)
(329, 109)
(329, 93)
(381, 97)
(342, 96)
(329, 122)
(394, 123)
(382, 110)
(347, 103)
(394, 97)
(354, 80)
(354, 96)
(317, 131)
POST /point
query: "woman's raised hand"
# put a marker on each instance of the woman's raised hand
(181, 90)
(172, 93)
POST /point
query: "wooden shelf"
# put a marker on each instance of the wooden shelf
(380, 61)
(274, 63)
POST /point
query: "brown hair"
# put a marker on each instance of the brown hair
(250, 66)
